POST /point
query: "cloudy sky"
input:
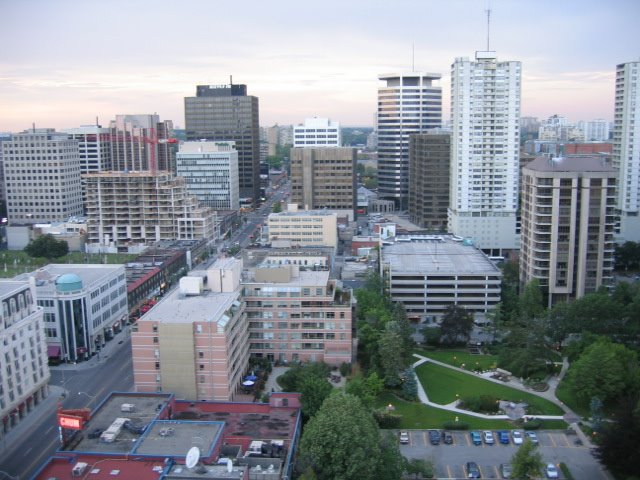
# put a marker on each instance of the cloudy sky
(65, 62)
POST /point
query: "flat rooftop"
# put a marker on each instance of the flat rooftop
(572, 163)
(304, 278)
(437, 255)
(89, 273)
(7, 287)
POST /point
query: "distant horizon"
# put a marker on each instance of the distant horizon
(327, 67)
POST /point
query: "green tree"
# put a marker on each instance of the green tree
(277, 207)
(391, 461)
(527, 462)
(391, 354)
(314, 390)
(530, 302)
(409, 384)
(399, 315)
(456, 325)
(419, 468)
(627, 256)
(47, 246)
(605, 370)
(366, 389)
(341, 441)
(292, 379)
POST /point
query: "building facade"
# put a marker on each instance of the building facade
(317, 132)
(126, 211)
(42, 177)
(595, 130)
(141, 143)
(194, 342)
(485, 143)
(324, 178)
(626, 149)
(226, 113)
(428, 273)
(25, 372)
(210, 170)
(312, 228)
(568, 220)
(94, 147)
(408, 103)
(429, 158)
(296, 313)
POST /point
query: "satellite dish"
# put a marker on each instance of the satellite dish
(229, 465)
(193, 455)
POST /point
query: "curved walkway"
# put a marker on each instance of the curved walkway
(569, 416)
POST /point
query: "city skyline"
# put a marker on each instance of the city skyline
(62, 67)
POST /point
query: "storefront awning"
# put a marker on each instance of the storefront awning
(53, 351)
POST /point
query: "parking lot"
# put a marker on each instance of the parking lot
(449, 460)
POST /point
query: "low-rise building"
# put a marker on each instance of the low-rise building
(428, 273)
(304, 228)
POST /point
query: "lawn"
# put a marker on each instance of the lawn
(442, 384)
(457, 358)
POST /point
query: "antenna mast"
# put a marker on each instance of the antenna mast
(488, 10)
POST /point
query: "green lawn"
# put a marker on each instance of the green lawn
(457, 358)
(442, 384)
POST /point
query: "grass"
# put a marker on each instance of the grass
(442, 384)
(565, 395)
(15, 262)
(457, 358)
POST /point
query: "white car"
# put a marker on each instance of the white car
(404, 438)
(517, 437)
(488, 437)
(551, 471)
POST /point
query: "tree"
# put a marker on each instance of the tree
(391, 354)
(604, 370)
(391, 461)
(456, 325)
(409, 384)
(47, 246)
(314, 391)
(341, 441)
(527, 462)
(419, 468)
(292, 379)
(530, 302)
(627, 256)
(277, 207)
(366, 389)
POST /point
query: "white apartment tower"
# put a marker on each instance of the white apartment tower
(210, 170)
(626, 148)
(42, 177)
(485, 115)
(317, 132)
(408, 103)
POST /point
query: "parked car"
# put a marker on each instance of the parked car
(505, 470)
(503, 436)
(472, 469)
(447, 438)
(476, 438)
(404, 438)
(517, 437)
(532, 436)
(488, 437)
(551, 471)
(434, 437)
(95, 433)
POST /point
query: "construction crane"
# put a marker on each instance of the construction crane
(153, 140)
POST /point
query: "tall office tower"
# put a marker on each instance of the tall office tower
(272, 137)
(324, 178)
(141, 143)
(227, 113)
(127, 211)
(595, 130)
(94, 147)
(4, 137)
(429, 159)
(568, 220)
(485, 115)
(408, 103)
(626, 149)
(317, 132)
(25, 372)
(42, 175)
(211, 172)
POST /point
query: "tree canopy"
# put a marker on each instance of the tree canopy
(47, 246)
(527, 462)
(456, 325)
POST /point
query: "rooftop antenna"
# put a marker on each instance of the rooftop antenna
(230, 79)
(33, 126)
(488, 10)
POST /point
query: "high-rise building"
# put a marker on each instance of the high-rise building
(94, 147)
(485, 115)
(42, 177)
(408, 103)
(25, 371)
(429, 158)
(626, 149)
(127, 211)
(227, 113)
(595, 130)
(317, 132)
(568, 219)
(141, 143)
(4, 137)
(211, 172)
(324, 178)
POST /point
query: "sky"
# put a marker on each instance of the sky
(65, 62)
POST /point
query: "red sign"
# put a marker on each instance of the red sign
(70, 421)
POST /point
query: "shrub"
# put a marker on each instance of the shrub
(387, 419)
(345, 369)
(534, 424)
(481, 404)
(566, 473)
(455, 426)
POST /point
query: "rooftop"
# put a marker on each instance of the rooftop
(573, 163)
(438, 255)
(89, 274)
